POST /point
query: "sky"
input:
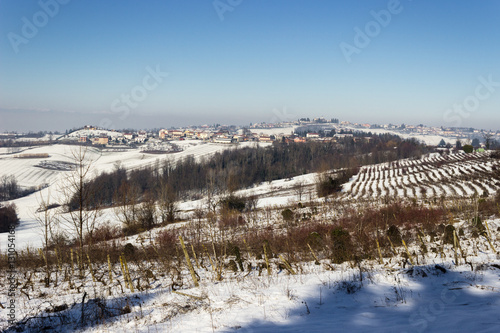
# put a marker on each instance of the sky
(163, 63)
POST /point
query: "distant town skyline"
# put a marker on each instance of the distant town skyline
(175, 63)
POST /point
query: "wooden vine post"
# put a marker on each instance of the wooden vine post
(287, 265)
(110, 271)
(408, 252)
(488, 236)
(91, 268)
(455, 246)
(379, 253)
(131, 286)
(267, 260)
(392, 246)
(188, 261)
(314, 254)
(72, 264)
(194, 256)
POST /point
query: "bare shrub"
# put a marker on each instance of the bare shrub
(394, 235)
(104, 233)
(342, 247)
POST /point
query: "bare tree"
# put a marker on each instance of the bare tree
(299, 189)
(199, 214)
(82, 210)
(47, 220)
(167, 203)
(127, 200)
(252, 202)
(488, 138)
(9, 188)
(211, 192)
(147, 212)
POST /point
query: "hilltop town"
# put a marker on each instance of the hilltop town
(301, 130)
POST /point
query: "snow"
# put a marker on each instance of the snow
(319, 302)
(273, 131)
(46, 137)
(456, 175)
(28, 173)
(91, 132)
(428, 139)
(437, 294)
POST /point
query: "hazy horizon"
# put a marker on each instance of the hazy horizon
(66, 63)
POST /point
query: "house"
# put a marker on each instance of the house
(176, 133)
(101, 140)
(188, 134)
(312, 135)
(265, 138)
(82, 139)
(128, 136)
(163, 133)
(204, 135)
(342, 136)
(222, 139)
(142, 137)
(240, 137)
(299, 139)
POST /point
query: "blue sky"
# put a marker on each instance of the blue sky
(242, 61)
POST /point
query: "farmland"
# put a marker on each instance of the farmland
(276, 266)
(436, 176)
(41, 171)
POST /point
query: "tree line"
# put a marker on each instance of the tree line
(10, 189)
(234, 169)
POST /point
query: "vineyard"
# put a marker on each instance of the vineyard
(435, 176)
(285, 257)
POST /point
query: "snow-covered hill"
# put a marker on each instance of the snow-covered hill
(440, 291)
(438, 295)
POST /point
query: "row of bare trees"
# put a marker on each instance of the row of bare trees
(80, 220)
(80, 207)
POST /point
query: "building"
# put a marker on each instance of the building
(101, 140)
(265, 138)
(176, 133)
(163, 133)
(141, 137)
(204, 135)
(342, 136)
(189, 134)
(221, 139)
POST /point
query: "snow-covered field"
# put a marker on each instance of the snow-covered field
(421, 299)
(274, 131)
(29, 172)
(435, 176)
(271, 195)
(438, 295)
(435, 294)
(432, 140)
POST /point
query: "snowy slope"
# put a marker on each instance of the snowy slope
(437, 296)
(28, 173)
(432, 140)
(388, 297)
